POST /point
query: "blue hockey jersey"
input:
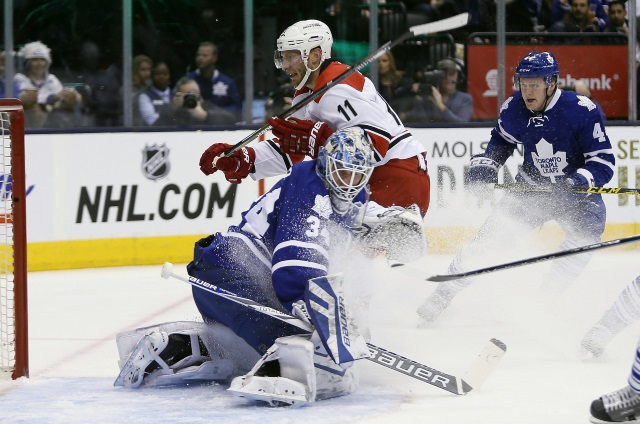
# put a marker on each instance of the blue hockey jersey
(291, 230)
(568, 135)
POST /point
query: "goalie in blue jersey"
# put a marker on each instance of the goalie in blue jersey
(282, 250)
(565, 147)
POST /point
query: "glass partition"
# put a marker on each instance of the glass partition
(188, 65)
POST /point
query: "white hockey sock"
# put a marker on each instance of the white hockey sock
(624, 311)
(626, 308)
(634, 377)
(566, 270)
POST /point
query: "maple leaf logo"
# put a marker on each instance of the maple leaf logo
(505, 105)
(586, 102)
(549, 164)
(220, 89)
(322, 206)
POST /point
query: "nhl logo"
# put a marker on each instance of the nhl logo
(155, 161)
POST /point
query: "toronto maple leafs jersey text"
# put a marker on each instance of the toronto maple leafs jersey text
(569, 135)
(289, 229)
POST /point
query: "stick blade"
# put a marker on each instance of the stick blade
(167, 270)
(443, 277)
(442, 25)
(484, 364)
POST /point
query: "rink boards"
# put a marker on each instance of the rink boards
(112, 199)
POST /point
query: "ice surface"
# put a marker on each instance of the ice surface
(75, 315)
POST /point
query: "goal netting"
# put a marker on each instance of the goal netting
(13, 276)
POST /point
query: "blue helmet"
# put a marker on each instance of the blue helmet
(538, 65)
(345, 164)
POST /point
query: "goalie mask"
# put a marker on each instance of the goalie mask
(345, 164)
(304, 36)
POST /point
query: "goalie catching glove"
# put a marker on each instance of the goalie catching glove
(396, 231)
(235, 167)
(299, 136)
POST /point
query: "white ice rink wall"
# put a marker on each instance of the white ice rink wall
(111, 199)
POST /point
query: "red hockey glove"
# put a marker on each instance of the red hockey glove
(206, 160)
(236, 167)
(299, 136)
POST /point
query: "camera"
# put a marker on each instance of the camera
(190, 100)
(432, 77)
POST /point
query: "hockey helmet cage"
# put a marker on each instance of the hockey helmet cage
(345, 164)
(538, 65)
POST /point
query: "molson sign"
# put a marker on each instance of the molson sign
(607, 76)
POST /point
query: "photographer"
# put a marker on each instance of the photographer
(437, 98)
(188, 108)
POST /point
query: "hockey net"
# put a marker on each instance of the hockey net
(14, 361)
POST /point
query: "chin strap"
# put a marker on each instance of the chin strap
(306, 75)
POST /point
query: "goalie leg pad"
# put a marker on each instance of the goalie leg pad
(160, 358)
(291, 374)
(334, 321)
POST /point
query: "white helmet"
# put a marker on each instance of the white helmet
(35, 50)
(304, 36)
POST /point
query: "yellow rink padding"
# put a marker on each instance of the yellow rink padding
(110, 252)
(447, 240)
(179, 249)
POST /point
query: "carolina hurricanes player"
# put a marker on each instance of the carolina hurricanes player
(400, 176)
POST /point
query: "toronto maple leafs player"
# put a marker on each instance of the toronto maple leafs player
(287, 237)
(303, 51)
(565, 146)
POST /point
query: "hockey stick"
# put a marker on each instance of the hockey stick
(590, 190)
(536, 259)
(429, 28)
(473, 378)
(167, 271)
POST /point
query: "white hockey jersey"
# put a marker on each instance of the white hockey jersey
(353, 102)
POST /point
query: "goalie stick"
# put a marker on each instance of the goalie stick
(480, 369)
(590, 190)
(535, 259)
(424, 29)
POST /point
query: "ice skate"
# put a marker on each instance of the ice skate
(616, 407)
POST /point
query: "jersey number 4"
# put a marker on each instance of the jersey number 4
(598, 134)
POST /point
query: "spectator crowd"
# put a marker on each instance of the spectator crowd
(206, 95)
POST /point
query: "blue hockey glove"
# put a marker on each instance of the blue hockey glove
(483, 174)
(564, 189)
(576, 180)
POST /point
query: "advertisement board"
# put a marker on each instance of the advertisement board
(606, 76)
(112, 199)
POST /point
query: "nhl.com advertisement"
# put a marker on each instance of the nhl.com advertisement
(148, 186)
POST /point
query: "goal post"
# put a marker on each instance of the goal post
(14, 358)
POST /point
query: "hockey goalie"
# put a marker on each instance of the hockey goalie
(284, 255)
